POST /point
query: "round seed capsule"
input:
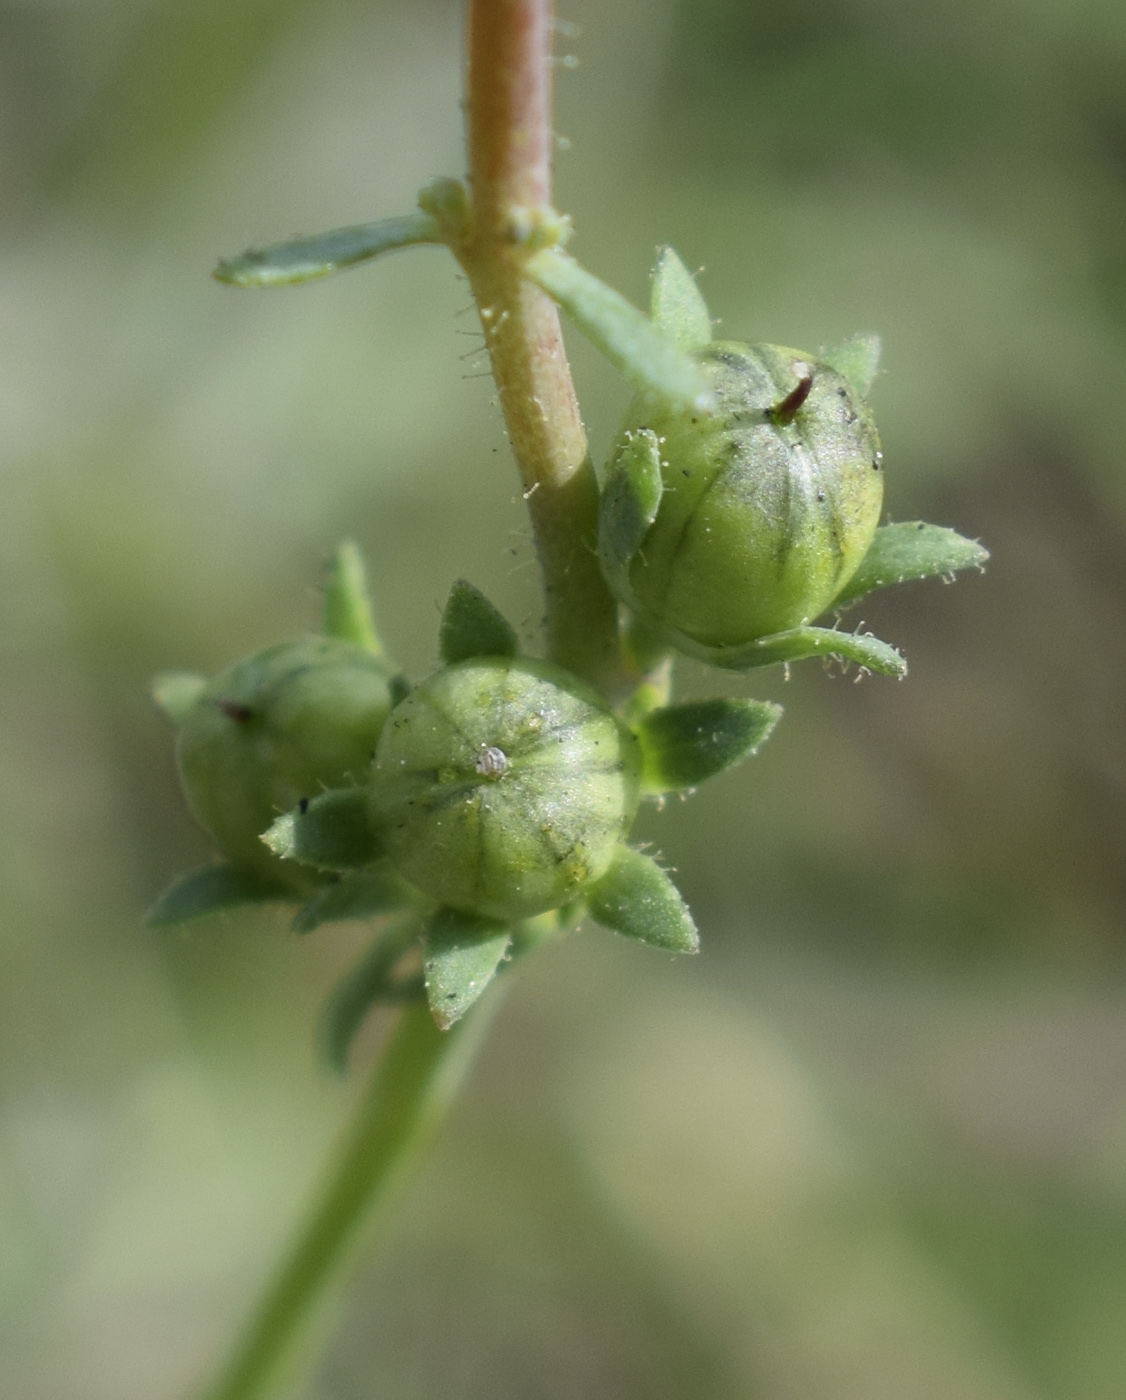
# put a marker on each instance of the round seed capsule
(504, 787)
(768, 505)
(275, 728)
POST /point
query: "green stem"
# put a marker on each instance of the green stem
(416, 1079)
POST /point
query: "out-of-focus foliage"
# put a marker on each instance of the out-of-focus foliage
(872, 1143)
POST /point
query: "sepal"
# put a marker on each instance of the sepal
(334, 831)
(471, 627)
(175, 692)
(346, 610)
(798, 644)
(367, 984)
(907, 551)
(682, 745)
(209, 889)
(630, 501)
(358, 894)
(858, 359)
(636, 898)
(461, 953)
(675, 304)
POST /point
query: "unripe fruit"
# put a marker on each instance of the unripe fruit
(768, 505)
(504, 787)
(277, 727)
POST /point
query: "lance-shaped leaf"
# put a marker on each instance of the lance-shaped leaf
(647, 357)
(358, 894)
(461, 953)
(333, 832)
(175, 692)
(637, 898)
(305, 259)
(858, 359)
(471, 626)
(209, 889)
(675, 304)
(629, 504)
(368, 984)
(346, 611)
(682, 745)
(799, 643)
(911, 550)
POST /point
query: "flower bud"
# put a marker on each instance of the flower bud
(275, 728)
(504, 787)
(767, 506)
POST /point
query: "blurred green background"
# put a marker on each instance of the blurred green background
(871, 1145)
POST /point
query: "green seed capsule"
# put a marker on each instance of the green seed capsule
(767, 506)
(504, 787)
(273, 729)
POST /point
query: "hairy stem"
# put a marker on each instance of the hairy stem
(509, 143)
(416, 1079)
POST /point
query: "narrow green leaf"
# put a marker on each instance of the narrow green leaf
(461, 955)
(637, 898)
(675, 305)
(333, 832)
(175, 692)
(682, 745)
(367, 984)
(358, 894)
(209, 889)
(347, 611)
(629, 340)
(858, 359)
(629, 501)
(305, 259)
(911, 550)
(802, 642)
(471, 626)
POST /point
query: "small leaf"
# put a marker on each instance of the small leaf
(911, 550)
(209, 889)
(629, 340)
(305, 259)
(637, 898)
(175, 692)
(333, 832)
(471, 626)
(858, 359)
(461, 955)
(684, 744)
(630, 500)
(675, 304)
(364, 986)
(359, 894)
(347, 608)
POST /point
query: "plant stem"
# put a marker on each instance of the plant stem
(416, 1079)
(509, 144)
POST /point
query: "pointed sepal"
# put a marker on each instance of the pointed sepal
(358, 894)
(209, 889)
(682, 745)
(305, 259)
(471, 626)
(461, 953)
(911, 550)
(346, 612)
(858, 359)
(675, 304)
(175, 692)
(636, 898)
(334, 831)
(369, 983)
(647, 357)
(798, 644)
(629, 504)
